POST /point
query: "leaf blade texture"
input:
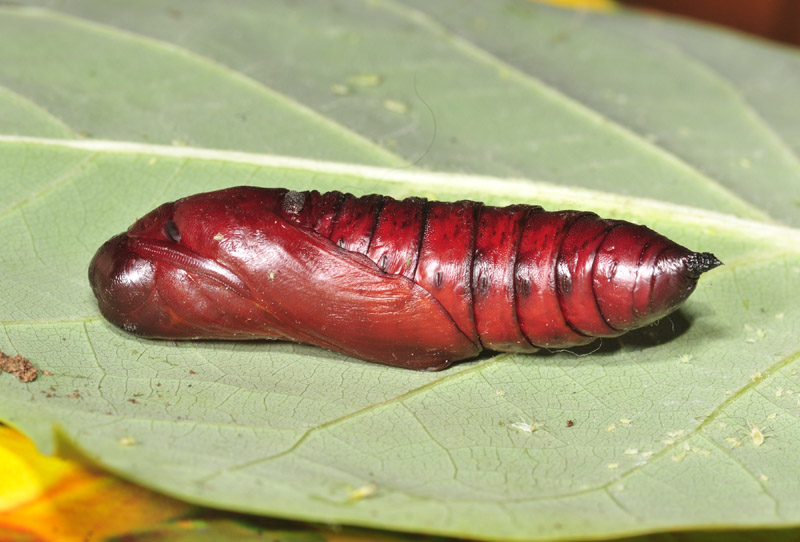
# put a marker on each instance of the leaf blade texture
(146, 105)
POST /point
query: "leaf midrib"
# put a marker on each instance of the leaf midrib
(511, 188)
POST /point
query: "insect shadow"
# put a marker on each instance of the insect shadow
(665, 330)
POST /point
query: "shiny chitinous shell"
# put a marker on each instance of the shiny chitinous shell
(411, 283)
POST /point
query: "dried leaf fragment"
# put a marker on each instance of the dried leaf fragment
(18, 366)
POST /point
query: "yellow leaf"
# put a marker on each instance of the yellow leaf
(590, 5)
(49, 498)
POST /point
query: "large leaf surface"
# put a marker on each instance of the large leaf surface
(660, 435)
(626, 104)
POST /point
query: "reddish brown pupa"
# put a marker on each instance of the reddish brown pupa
(413, 283)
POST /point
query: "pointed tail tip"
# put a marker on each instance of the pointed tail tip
(700, 262)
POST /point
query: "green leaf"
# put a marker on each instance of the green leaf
(107, 110)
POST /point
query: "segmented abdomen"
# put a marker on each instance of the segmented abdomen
(511, 278)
